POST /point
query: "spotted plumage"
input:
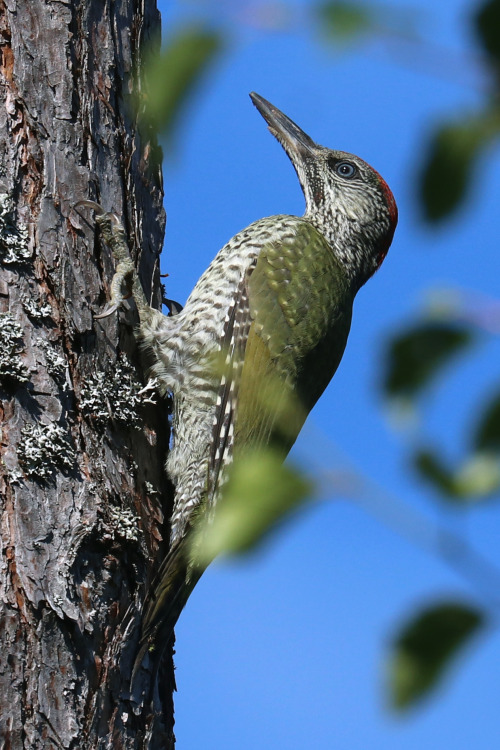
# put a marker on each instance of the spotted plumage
(275, 308)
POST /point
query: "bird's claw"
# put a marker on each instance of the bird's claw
(110, 308)
(93, 205)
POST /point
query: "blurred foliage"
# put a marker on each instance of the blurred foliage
(477, 478)
(455, 148)
(453, 156)
(487, 22)
(169, 79)
(487, 436)
(346, 21)
(415, 356)
(260, 492)
(426, 646)
(432, 468)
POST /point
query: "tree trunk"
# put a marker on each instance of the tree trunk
(83, 489)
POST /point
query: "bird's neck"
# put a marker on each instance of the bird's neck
(352, 244)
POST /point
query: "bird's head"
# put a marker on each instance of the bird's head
(346, 199)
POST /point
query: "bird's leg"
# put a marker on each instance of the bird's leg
(125, 282)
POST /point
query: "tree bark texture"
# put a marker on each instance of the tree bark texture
(83, 489)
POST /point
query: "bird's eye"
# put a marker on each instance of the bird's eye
(345, 169)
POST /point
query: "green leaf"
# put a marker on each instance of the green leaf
(432, 468)
(417, 355)
(344, 21)
(487, 23)
(479, 477)
(453, 155)
(260, 491)
(487, 437)
(169, 79)
(426, 646)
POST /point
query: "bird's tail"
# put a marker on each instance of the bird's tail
(168, 594)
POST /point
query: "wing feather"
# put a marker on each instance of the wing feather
(236, 328)
(283, 339)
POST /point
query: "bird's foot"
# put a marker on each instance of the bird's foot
(113, 234)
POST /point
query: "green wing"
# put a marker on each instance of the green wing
(285, 337)
(300, 307)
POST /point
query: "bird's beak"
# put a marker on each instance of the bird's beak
(296, 143)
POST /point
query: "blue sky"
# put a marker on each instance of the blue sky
(287, 647)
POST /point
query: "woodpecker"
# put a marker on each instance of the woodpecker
(276, 303)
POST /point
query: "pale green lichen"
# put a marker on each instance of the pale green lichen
(36, 310)
(44, 449)
(14, 474)
(12, 368)
(55, 363)
(13, 237)
(113, 397)
(123, 523)
(150, 488)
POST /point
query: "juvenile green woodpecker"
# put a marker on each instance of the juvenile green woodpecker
(276, 302)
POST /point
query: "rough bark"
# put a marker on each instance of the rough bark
(83, 489)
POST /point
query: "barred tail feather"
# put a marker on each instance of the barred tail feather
(164, 603)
